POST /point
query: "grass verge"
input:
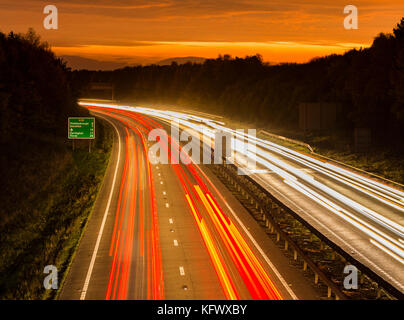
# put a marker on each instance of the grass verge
(43, 223)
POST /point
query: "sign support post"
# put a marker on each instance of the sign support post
(81, 128)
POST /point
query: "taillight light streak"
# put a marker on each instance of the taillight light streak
(221, 271)
(122, 251)
(254, 276)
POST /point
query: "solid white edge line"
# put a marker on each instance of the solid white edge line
(97, 244)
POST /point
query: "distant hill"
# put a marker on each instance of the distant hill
(80, 63)
(181, 60)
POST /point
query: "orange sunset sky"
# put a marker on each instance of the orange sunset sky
(141, 32)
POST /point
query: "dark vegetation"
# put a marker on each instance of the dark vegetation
(366, 84)
(47, 191)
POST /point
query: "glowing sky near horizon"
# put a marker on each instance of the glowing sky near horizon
(147, 31)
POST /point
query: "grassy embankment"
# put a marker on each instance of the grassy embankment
(48, 204)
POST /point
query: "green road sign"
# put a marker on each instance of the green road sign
(81, 128)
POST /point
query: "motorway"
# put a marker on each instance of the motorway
(359, 214)
(172, 231)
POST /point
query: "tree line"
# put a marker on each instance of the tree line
(366, 83)
(35, 101)
(34, 87)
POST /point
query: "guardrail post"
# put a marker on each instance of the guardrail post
(329, 292)
(315, 278)
(304, 265)
(294, 255)
(286, 245)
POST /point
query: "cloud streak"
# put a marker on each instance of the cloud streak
(141, 25)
